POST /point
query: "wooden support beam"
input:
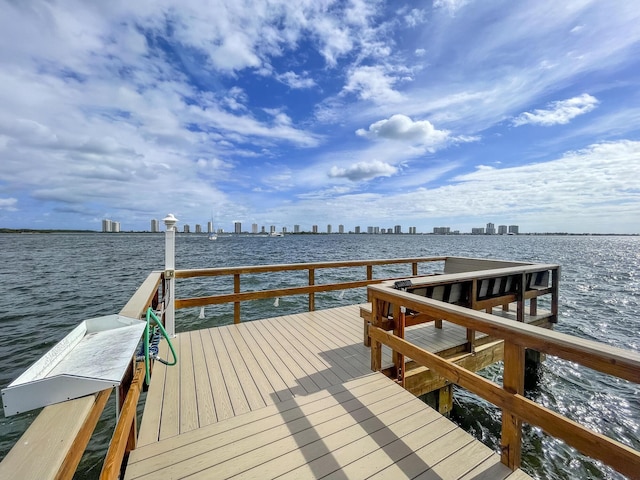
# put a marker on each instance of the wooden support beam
(555, 280)
(513, 382)
(236, 305)
(312, 297)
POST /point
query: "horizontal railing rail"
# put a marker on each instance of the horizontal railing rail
(509, 397)
(310, 288)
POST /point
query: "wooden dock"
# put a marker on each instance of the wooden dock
(295, 396)
(319, 394)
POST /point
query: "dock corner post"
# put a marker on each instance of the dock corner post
(170, 273)
(513, 382)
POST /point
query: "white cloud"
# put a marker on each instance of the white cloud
(415, 17)
(401, 127)
(451, 6)
(8, 204)
(560, 112)
(296, 81)
(363, 171)
(420, 52)
(373, 83)
(421, 133)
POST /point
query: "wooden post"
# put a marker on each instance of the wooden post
(376, 346)
(471, 334)
(236, 305)
(414, 269)
(522, 281)
(513, 382)
(170, 273)
(398, 330)
(555, 280)
(312, 297)
(369, 272)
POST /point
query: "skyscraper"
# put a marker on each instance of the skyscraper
(106, 225)
(237, 227)
(155, 226)
(491, 229)
(340, 228)
(296, 229)
(329, 228)
(514, 229)
(502, 230)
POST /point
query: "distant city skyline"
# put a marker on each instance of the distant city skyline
(396, 229)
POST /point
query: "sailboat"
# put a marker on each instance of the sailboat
(212, 233)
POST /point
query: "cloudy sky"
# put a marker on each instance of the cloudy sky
(278, 112)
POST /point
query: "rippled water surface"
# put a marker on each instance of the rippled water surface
(51, 282)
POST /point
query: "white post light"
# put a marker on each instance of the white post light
(170, 274)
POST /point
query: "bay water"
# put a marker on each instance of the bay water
(51, 282)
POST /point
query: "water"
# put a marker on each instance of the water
(52, 282)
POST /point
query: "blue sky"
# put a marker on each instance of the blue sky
(445, 113)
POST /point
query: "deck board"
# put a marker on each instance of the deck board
(294, 396)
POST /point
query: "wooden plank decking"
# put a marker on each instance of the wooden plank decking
(295, 395)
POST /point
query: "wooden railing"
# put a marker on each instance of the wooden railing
(509, 397)
(480, 290)
(54, 443)
(310, 289)
(125, 435)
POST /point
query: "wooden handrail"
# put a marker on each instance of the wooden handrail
(221, 271)
(310, 289)
(598, 356)
(621, 457)
(517, 336)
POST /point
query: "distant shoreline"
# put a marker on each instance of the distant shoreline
(559, 234)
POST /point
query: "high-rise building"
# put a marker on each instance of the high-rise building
(357, 229)
(491, 229)
(210, 227)
(442, 230)
(329, 228)
(198, 228)
(106, 225)
(284, 229)
(186, 229)
(376, 230)
(314, 228)
(296, 229)
(369, 229)
(412, 230)
(115, 227)
(254, 228)
(397, 229)
(514, 229)
(272, 229)
(237, 227)
(340, 228)
(155, 226)
(477, 231)
(502, 230)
